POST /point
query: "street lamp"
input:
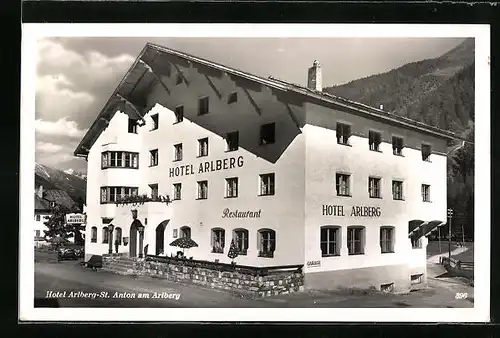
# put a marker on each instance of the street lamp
(450, 215)
(110, 238)
(141, 236)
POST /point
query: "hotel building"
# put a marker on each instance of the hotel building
(291, 174)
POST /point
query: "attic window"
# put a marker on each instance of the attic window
(233, 97)
(178, 79)
(132, 126)
(203, 106)
(155, 121)
(267, 133)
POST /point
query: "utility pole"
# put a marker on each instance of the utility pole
(450, 215)
(439, 239)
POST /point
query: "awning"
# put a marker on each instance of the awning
(418, 228)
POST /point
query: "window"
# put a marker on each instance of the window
(203, 106)
(37, 233)
(266, 184)
(232, 187)
(233, 97)
(37, 218)
(185, 232)
(416, 243)
(178, 79)
(374, 140)
(232, 141)
(178, 152)
(267, 243)
(417, 279)
(426, 193)
(105, 235)
(153, 157)
(426, 152)
(132, 126)
(218, 240)
(93, 235)
(114, 194)
(330, 241)
(203, 147)
(155, 118)
(179, 114)
(355, 238)
(343, 133)
(118, 236)
(241, 241)
(342, 184)
(387, 239)
(177, 191)
(154, 190)
(202, 190)
(119, 159)
(397, 146)
(267, 133)
(397, 190)
(374, 187)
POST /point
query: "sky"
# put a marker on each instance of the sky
(76, 76)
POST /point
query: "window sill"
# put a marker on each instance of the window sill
(260, 195)
(177, 122)
(386, 252)
(344, 195)
(266, 255)
(398, 199)
(376, 197)
(356, 254)
(428, 161)
(217, 252)
(176, 199)
(154, 165)
(416, 248)
(231, 196)
(153, 129)
(427, 201)
(230, 151)
(399, 155)
(199, 156)
(344, 144)
(201, 198)
(376, 151)
(178, 160)
(334, 255)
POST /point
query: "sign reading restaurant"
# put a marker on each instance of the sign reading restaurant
(356, 211)
(208, 166)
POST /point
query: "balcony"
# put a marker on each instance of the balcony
(145, 205)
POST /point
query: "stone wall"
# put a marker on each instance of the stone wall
(241, 283)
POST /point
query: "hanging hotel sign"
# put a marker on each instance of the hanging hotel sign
(354, 211)
(75, 219)
(208, 166)
(226, 213)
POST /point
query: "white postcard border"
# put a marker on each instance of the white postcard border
(480, 312)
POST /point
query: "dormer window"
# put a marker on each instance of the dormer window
(267, 134)
(343, 133)
(155, 121)
(132, 126)
(397, 146)
(233, 97)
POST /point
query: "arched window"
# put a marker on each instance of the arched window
(240, 237)
(267, 242)
(185, 232)
(218, 240)
(105, 235)
(330, 239)
(356, 240)
(118, 235)
(93, 235)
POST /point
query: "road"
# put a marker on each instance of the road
(70, 276)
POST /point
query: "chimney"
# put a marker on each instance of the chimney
(314, 77)
(40, 191)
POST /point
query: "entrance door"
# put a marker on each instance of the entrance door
(133, 241)
(160, 237)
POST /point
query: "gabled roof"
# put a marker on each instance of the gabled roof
(41, 204)
(138, 78)
(60, 197)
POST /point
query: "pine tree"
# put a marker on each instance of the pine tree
(57, 227)
(232, 251)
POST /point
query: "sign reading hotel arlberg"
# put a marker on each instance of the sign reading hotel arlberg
(356, 211)
(75, 219)
(208, 166)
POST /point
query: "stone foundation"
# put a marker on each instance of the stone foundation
(241, 283)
